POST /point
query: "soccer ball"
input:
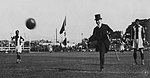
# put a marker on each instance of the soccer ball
(30, 23)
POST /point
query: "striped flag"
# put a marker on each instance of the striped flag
(65, 42)
(63, 26)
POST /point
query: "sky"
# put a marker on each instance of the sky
(49, 16)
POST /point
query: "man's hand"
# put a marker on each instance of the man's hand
(144, 39)
(11, 38)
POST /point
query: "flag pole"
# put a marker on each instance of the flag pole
(81, 37)
(65, 33)
(56, 35)
(65, 37)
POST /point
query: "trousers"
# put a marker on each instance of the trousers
(102, 51)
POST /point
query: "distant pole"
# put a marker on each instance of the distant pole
(23, 41)
(25, 35)
(81, 36)
(10, 41)
(56, 35)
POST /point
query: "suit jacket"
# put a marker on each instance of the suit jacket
(101, 36)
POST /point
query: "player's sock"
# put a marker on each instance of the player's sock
(142, 57)
(135, 57)
(142, 62)
(17, 61)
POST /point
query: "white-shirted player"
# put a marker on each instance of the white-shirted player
(18, 43)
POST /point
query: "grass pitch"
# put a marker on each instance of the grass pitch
(73, 65)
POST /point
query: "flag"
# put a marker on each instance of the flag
(65, 42)
(63, 26)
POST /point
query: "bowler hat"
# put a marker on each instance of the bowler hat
(98, 17)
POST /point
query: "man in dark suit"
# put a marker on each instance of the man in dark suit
(101, 38)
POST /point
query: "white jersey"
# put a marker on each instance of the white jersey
(18, 43)
(138, 43)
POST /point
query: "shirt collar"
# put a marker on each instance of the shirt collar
(100, 25)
